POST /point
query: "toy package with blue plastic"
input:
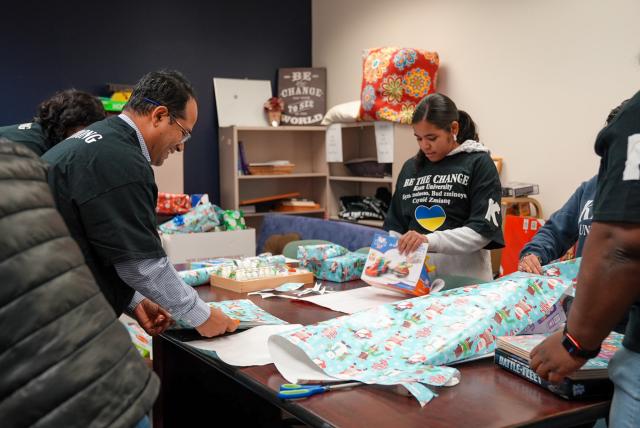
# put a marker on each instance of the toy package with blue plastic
(387, 268)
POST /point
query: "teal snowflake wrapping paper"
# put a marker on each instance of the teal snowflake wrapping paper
(248, 313)
(411, 341)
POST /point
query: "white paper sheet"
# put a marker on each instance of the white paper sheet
(356, 300)
(248, 348)
(240, 102)
(384, 141)
(294, 365)
(333, 143)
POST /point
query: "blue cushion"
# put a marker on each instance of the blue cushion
(349, 235)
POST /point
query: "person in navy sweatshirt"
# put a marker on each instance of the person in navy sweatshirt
(565, 227)
(569, 224)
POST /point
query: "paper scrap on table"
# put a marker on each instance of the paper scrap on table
(291, 290)
(289, 286)
(270, 295)
(356, 300)
(248, 348)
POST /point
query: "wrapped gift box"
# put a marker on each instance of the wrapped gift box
(172, 203)
(331, 262)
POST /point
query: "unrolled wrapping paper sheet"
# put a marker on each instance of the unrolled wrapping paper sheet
(409, 342)
(248, 348)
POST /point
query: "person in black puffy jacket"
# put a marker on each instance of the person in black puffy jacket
(66, 361)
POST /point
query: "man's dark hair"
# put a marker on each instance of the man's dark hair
(66, 110)
(168, 88)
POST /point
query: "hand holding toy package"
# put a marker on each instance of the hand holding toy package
(387, 268)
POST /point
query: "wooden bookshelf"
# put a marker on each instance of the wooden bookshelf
(312, 177)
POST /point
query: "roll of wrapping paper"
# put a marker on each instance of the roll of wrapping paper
(198, 276)
(203, 218)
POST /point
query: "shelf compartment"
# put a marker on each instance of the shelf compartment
(277, 176)
(320, 211)
(303, 149)
(358, 179)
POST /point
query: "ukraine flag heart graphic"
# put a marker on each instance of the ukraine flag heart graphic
(431, 218)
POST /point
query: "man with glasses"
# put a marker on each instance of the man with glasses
(104, 187)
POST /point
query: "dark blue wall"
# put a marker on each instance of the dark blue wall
(48, 46)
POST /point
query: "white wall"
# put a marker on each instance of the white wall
(538, 76)
(170, 176)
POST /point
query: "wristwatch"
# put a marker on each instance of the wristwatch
(574, 348)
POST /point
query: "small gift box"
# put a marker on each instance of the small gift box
(172, 203)
(232, 220)
(331, 262)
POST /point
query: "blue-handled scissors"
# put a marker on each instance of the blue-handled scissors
(293, 390)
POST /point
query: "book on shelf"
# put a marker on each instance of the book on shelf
(248, 209)
(590, 381)
(243, 166)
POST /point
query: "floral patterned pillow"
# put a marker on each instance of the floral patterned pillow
(394, 80)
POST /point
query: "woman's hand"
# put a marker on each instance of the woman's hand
(410, 241)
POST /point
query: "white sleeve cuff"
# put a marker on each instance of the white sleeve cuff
(434, 240)
(197, 315)
(135, 301)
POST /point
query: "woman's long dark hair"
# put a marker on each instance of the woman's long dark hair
(441, 111)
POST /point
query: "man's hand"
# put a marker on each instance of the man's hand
(217, 324)
(530, 263)
(153, 318)
(552, 361)
(410, 241)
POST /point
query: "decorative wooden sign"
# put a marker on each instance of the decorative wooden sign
(303, 91)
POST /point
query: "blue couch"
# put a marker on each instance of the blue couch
(350, 235)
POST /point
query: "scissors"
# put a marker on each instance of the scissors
(291, 390)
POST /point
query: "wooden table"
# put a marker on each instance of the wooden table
(197, 388)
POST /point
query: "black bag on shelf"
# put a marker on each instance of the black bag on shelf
(354, 208)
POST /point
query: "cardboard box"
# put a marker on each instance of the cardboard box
(189, 247)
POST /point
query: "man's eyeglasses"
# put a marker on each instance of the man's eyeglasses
(185, 134)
